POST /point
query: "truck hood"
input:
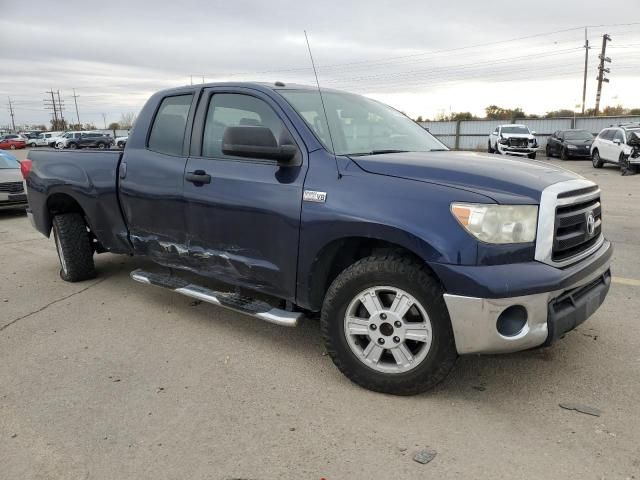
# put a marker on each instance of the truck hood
(518, 135)
(503, 179)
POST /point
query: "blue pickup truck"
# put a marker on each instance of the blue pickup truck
(277, 201)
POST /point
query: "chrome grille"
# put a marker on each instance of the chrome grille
(571, 233)
(11, 187)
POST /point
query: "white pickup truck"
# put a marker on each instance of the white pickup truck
(514, 139)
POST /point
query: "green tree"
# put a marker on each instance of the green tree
(419, 119)
(456, 116)
(634, 111)
(613, 110)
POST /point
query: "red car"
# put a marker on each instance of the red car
(11, 143)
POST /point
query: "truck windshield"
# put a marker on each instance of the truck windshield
(359, 125)
(515, 129)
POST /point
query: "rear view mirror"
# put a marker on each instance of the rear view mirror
(257, 142)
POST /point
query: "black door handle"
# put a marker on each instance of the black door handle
(199, 177)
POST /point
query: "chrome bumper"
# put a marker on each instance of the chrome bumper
(474, 320)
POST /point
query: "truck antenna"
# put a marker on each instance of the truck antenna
(324, 109)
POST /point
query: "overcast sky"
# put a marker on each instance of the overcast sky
(421, 57)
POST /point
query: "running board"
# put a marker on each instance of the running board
(232, 301)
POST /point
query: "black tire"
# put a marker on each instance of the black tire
(73, 146)
(532, 156)
(489, 149)
(101, 145)
(120, 145)
(403, 273)
(73, 244)
(564, 155)
(498, 152)
(12, 147)
(33, 145)
(596, 161)
(547, 151)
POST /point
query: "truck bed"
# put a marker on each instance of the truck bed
(87, 177)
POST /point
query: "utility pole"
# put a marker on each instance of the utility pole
(51, 105)
(75, 100)
(60, 110)
(13, 123)
(601, 70)
(586, 64)
(104, 119)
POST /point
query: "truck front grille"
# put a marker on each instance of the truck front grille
(577, 228)
(518, 142)
(11, 187)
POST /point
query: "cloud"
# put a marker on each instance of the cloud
(412, 53)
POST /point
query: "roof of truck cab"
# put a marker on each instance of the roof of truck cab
(255, 85)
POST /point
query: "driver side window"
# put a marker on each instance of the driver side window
(234, 110)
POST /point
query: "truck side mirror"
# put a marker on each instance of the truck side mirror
(257, 142)
(617, 141)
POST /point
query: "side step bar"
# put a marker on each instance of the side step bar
(232, 301)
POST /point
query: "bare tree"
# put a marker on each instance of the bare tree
(127, 120)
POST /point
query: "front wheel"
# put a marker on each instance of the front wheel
(73, 244)
(489, 149)
(532, 156)
(12, 147)
(547, 151)
(101, 146)
(33, 145)
(596, 160)
(564, 154)
(386, 326)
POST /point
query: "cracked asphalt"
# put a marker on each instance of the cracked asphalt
(110, 379)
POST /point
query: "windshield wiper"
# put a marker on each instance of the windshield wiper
(377, 152)
(439, 150)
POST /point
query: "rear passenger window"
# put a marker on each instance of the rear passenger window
(232, 110)
(607, 135)
(167, 132)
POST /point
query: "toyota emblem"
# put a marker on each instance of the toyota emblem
(591, 223)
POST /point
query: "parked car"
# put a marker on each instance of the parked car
(12, 194)
(568, 144)
(11, 142)
(514, 139)
(121, 142)
(412, 254)
(89, 139)
(611, 145)
(42, 140)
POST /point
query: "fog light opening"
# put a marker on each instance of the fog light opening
(512, 320)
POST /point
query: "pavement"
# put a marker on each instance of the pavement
(111, 379)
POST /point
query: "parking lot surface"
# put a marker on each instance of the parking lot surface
(111, 379)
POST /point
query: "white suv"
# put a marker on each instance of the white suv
(514, 139)
(611, 145)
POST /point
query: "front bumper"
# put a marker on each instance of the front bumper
(569, 301)
(13, 200)
(517, 150)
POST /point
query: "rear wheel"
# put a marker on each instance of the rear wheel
(547, 151)
(120, 145)
(596, 160)
(33, 145)
(73, 146)
(101, 145)
(386, 326)
(73, 244)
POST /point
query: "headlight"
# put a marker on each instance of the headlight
(571, 147)
(498, 223)
(504, 141)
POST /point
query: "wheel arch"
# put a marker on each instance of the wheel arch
(338, 254)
